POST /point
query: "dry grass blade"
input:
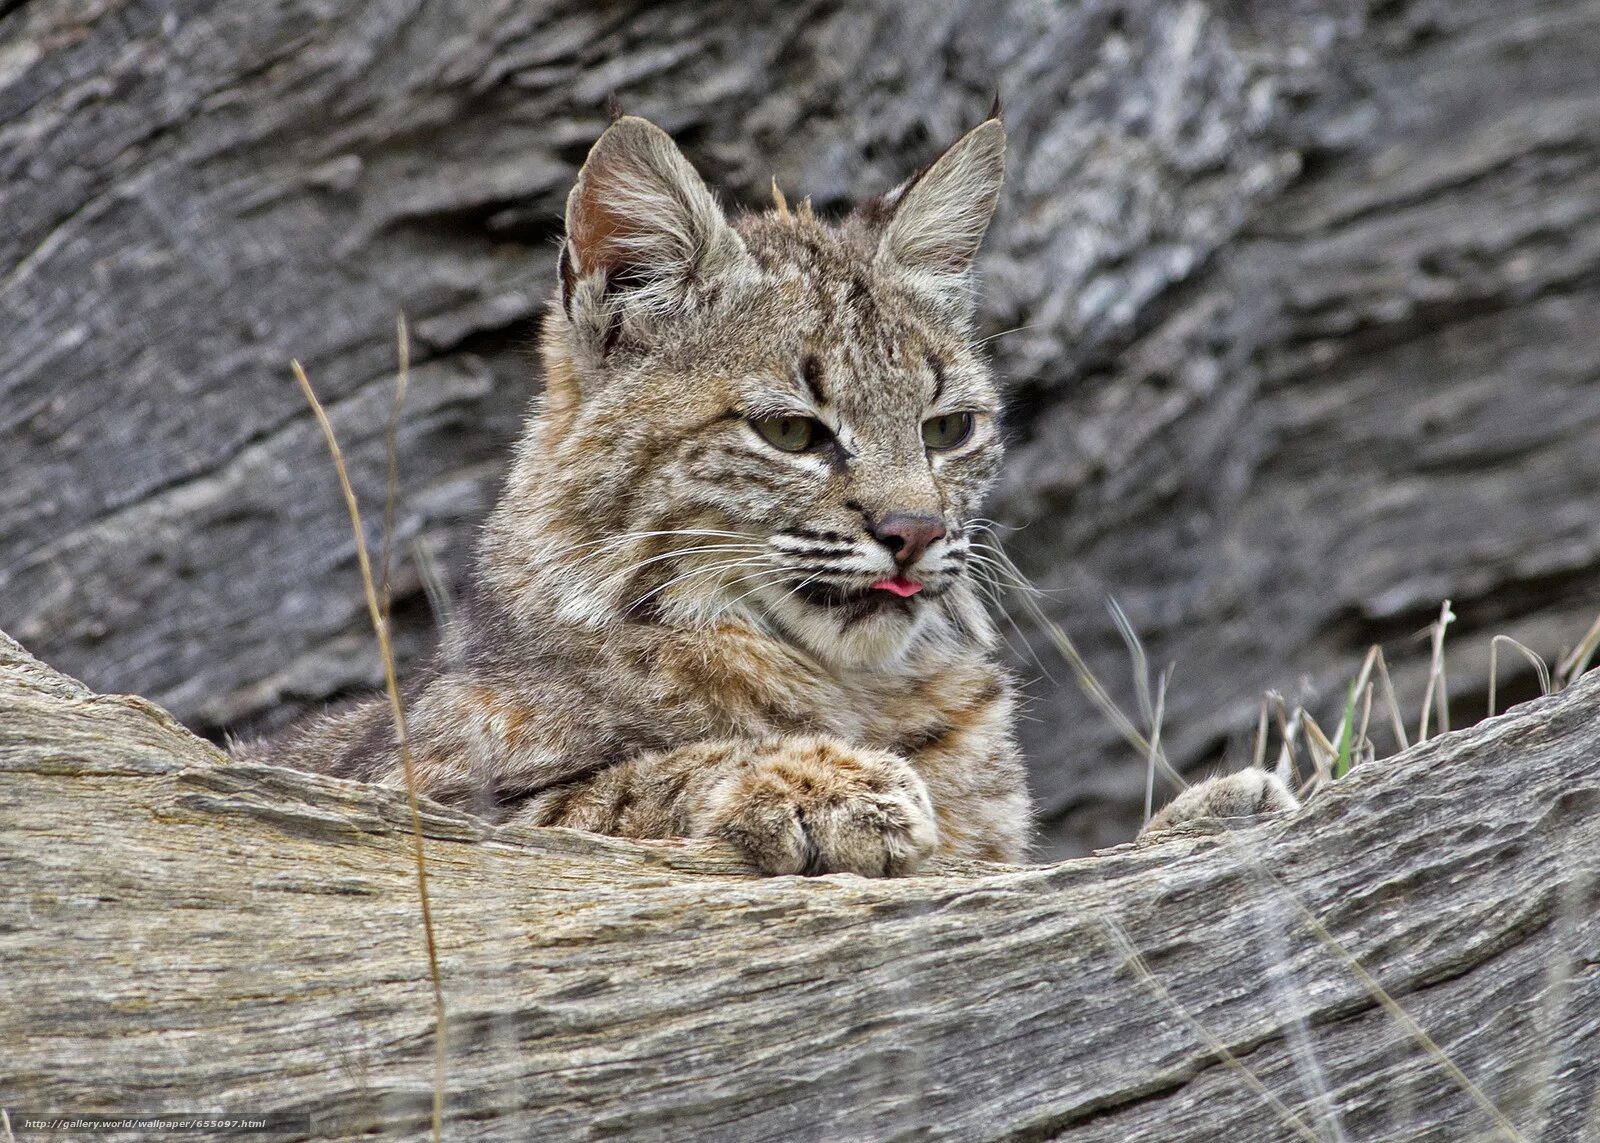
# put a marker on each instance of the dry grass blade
(1136, 961)
(1360, 690)
(1086, 678)
(1565, 963)
(1284, 770)
(391, 682)
(392, 457)
(1578, 662)
(1256, 865)
(1435, 694)
(1153, 709)
(1365, 674)
(1362, 743)
(1258, 757)
(1323, 752)
(1288, 731)
(1292, 1003)
(1141, 661)
(1415, 1030)
(1533, 657)
(1160, 715)
(1396, 720)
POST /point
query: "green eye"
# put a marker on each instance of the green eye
(947, 431)
(791, 434)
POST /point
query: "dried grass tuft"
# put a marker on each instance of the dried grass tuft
(377, 609)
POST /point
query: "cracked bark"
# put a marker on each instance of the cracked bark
(232, 939)
(1299, 305)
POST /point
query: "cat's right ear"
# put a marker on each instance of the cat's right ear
(644, 235)
(937, 218)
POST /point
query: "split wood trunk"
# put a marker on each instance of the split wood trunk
(180, 934)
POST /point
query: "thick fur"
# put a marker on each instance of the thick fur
(1246, 794)
(671, 628)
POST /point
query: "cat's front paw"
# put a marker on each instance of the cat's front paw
(1246, 794)
(814, 805)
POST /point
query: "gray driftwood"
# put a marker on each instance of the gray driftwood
(184, 934)
(1303, 295)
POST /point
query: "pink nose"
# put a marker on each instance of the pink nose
(907, 535)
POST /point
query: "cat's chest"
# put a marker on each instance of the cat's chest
(913, 715)
(750, 687)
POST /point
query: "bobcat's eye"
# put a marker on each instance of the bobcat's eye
(947, 431)
(791, 434)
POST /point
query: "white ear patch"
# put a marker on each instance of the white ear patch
(642, 224)
(939, 216)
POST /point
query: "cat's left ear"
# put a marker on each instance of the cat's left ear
(937, 218)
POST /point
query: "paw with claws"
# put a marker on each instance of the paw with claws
(1247, 794)
(817, 805)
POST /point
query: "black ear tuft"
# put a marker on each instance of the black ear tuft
(614, 109)
(995, 110)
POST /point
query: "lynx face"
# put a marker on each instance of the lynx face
(772, 419)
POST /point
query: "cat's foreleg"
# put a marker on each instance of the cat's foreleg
(1248, 793)
(800, 804)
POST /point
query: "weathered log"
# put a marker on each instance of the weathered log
(1301, 299)
(182, 933)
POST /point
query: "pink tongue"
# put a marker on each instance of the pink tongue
(900, 585)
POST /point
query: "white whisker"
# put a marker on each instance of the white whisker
(777, 573)
(633, 568)
(682, 577)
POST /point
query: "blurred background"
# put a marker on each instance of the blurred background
(1296, 301)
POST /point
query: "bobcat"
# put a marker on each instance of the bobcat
(728, 590)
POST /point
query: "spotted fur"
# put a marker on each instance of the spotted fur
(671, 628)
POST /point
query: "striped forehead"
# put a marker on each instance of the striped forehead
(862, 386)
(860, 345)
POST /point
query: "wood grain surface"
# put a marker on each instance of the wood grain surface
(182, 933)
